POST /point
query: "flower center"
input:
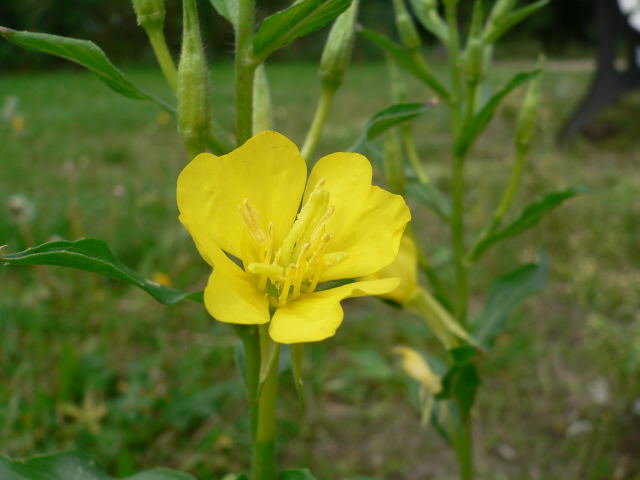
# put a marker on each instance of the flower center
(297, 265)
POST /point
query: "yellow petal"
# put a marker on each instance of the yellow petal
(417, 368)
(316, 316)
(231, 295)
(267, 170)
(367, 223)
(403, 267)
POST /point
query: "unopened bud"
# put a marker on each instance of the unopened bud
(526, 125)
(474, 61)
(337, 50)
(193, 83)
(427, 13)
(407, 29)
(150, 14)
(501, 9)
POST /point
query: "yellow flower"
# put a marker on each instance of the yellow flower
(417, 368)
(17, 123)
(247, 204)
(403, 267)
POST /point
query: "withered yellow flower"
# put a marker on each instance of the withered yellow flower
(288, 234)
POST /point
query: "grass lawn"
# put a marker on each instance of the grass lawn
(89, 364)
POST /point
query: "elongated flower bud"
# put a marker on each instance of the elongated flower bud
(474, 61)
(193, 84)
(150, 14)
(526, 125)
(501, 9)
(407, 29)
(337, 50)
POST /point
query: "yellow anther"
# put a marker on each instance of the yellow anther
(275, 272)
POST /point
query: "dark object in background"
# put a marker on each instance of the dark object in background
(618, 72)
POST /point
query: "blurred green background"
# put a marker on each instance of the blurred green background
(86, 363)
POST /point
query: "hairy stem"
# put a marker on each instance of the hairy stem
(244, 70)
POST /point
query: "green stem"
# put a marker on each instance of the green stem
(464, 449)
(263, 464)
(319, 120)
(429, 78)
(245, 67)
(251, 343)
(458, 234)
(160, 49)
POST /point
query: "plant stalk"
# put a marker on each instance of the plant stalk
(263, 465)
(245, 67)
(464, 449)
(161, 51)
(318, 123)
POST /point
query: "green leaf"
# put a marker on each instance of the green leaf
(503, 25)
(388, 118)
(405, 59)
(507, 293)
(72, 466)
(296, 474)
(85, 53)
(296, 21)
(461, 384)
(431, 196)
(480, 120)
(228, 9)
(529, 217)
(93, 255)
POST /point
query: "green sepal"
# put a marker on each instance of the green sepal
(93, 255)
(86, 54)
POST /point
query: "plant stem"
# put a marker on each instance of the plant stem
(464, 448)
(457, 232)
(263, 464)
(319, 120)
(159, 45)
(412, 153)
(244, 70)
(251, 342)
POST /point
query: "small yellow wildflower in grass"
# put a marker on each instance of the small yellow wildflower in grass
(17, 123)
(289, 234)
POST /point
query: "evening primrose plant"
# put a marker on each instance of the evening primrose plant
(285, 246)
(449, 383)
(288, 237)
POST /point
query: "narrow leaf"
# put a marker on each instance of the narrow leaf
(507, 293)
(296, 21)
(93, 255)
(85, 53)
(404, 59)
(431, 196)
(529, 217)
(72, 466)
(480, 120)
(503, 25)
(387, 118)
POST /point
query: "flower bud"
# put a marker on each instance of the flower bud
(526, 125)
(193, 84)
(337, 50)
(474, 61)
(407, 29)
(150, 14)
(417, 368)
(427, 13)
(500, 10)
